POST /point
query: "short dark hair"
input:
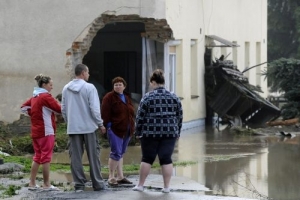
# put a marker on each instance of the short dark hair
(158, 76)
(41, 79)
(79, 69)
(119, 79)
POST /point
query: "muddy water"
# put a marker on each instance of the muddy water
(258, 167)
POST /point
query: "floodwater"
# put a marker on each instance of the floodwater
(259, 167)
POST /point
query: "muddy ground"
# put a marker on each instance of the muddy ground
(274, 130)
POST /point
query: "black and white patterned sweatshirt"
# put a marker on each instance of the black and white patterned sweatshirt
(159, 114)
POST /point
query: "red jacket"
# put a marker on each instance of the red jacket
(41, 109)
(120, 114)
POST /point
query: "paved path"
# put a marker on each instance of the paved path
(182, 189)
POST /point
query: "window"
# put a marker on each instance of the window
(170, 58)
(247, 58)
(172, 68)
(194, 70)
(258, 61)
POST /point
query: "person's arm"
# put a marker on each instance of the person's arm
(106, 110)
(52, 104)
(64, 106)
(139, 121)
(94, 104)
(26, 107)
(179, 115)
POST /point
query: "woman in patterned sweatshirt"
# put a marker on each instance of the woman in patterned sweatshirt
(158, 125)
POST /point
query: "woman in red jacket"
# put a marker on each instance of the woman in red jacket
(42, 108)
(118, 116)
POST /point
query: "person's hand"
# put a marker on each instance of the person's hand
(102, 129)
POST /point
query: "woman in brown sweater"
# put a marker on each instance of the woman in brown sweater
(117, 112)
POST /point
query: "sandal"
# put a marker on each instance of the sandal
(124, 181)
(36, 187)
(112, 182)
(51, 188)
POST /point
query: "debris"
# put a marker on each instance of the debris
(285, 134)
(287, 122)
(230, 95)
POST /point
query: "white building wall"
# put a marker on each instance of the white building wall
(240, 21)
(35, 35)
(237, 21)
(186, 21)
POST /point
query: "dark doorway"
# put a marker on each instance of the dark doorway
(116, 50)
(121, 64)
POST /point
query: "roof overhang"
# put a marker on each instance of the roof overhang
(224, 43)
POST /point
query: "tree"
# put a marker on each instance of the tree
(284, 76)
(283, 29)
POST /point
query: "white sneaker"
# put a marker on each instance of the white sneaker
(138, 188)
(165, 190)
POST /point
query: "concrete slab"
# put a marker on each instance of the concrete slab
(126, 194)
(182, 189)
(177, 183)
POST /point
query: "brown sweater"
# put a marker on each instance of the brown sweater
(120, 114)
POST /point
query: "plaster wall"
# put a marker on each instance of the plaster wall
(35, 35)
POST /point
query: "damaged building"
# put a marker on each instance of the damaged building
(128, 39)
(233, 99)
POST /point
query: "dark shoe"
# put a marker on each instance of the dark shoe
(124, 181)
(99, 189)
(79, 189)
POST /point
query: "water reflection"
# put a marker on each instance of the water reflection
(243, 166)
(132, 156)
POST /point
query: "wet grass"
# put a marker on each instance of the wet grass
(128, 169)
(242, 131)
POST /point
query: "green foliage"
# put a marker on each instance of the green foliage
(11, 190)
(297, 17)
(283, 76)
(22, 160)
(61, 137)
(290, 110)
(283, 29)
(21, 145)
